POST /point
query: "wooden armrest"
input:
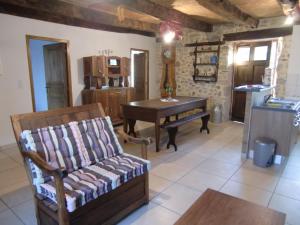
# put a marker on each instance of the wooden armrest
(44, 166)
(126, 137)
(58, 174)
(143, 141)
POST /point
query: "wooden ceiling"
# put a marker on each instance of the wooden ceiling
(144, 16)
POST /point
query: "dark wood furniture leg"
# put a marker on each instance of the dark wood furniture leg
(172, 131)
(167, 120)
(131, 124)
(157, 134)
(205, 120)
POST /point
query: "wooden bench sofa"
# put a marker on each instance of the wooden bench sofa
(90, 188)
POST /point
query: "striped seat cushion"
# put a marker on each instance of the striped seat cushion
(59, 146)
(86, 184)
(99, 139)
(71, 146)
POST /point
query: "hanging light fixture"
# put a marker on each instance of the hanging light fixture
(170, 31)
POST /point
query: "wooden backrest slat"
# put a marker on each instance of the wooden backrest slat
(54, 117)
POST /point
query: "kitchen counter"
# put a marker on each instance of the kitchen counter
(253, 88)
(283, 105)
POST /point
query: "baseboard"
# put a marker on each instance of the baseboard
(279, 159)
(8, 146)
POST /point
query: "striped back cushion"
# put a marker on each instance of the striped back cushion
(57, 145)
(99, 139)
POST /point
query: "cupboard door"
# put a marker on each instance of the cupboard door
(125, 67)
(102, 97)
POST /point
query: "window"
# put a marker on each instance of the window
(260, 53)
(243, 54)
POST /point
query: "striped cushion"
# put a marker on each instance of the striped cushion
(99, 139)
(57, 145)
(88, 183)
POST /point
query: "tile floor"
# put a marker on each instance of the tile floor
(177, 179)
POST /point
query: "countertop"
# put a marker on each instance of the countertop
(289, 108)
(253, 88)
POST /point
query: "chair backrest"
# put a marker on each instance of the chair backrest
(29, 121)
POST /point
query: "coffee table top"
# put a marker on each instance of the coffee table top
(215, 208)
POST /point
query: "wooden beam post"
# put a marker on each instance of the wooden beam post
(66, 13)
(259, 34)
(229, 11)
(164, 13)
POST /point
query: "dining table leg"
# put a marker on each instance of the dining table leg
(157, 134)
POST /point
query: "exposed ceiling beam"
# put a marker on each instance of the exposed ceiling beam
(229, 11)
(259, 34)
(164, 13)
(66, 13)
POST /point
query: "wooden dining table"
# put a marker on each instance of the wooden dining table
(154, 110)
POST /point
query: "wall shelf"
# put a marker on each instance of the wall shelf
(207, 51)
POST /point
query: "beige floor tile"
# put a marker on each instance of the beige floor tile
(8, 218)
(2, 155)
(2, 206)
(177, 198)
(289, 188)
(247, 192)
(14, 179)
(229, 156)
(273, 170)
(286, 205)
(26, 212)
(257, 179)
(294, 160)
(218, 168)
(17, 197)
(292, 173)
(7, 164)
(201, 180)
(157, 185)
(151, 214)
(189, 159)
(14, 153)
(170, 171)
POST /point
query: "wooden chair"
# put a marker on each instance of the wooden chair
(108, 208)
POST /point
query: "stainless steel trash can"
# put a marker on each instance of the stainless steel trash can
(264, 152)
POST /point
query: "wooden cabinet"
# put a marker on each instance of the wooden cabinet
(111, 100)
(94, 66)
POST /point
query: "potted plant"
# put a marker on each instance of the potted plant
(169, 91)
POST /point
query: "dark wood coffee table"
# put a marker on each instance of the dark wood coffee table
(216, 208)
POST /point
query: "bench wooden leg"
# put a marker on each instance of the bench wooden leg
(172, 135)
(131, 124)
(205, 120)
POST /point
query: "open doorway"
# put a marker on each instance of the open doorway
(140, 73)
(250, 61)
(49, 71)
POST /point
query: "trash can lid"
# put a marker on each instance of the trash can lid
(265, 140)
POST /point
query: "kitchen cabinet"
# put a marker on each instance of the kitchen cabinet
(111, 100)
(275, 124)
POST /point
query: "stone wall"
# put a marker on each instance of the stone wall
(220, 92)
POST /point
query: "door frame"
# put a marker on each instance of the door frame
(251, 54)
(69, 81)
(146, 85)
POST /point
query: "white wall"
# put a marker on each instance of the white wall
(15, 95)
(293, 78)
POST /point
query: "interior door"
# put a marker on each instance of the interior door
(251, 59)
(140, 76)
(55, 59)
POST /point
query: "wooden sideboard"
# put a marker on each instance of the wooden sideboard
(111, 100)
